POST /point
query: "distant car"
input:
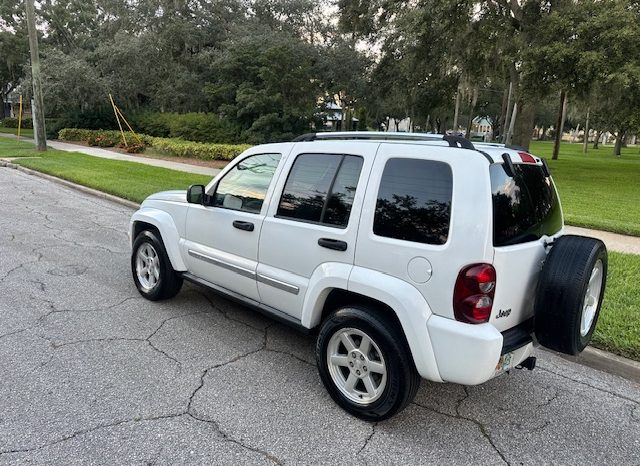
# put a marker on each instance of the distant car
(412, 256)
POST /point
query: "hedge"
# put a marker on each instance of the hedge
(168, 146)
(198, 150)
(13, 123)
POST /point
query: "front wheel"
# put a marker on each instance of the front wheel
(152, 271)
(365, 364)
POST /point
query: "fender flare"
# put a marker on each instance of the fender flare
(168, 232)
(410, 307)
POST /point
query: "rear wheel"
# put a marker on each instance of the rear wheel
(152, 271)
(365, 364)
(570, 293)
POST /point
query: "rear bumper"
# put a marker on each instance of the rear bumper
(472, 354)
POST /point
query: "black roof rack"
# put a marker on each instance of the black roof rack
(459, 141)
(453, 141)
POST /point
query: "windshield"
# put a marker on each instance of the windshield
(525, 207)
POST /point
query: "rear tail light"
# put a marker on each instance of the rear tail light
(526, 157)
(473, 293)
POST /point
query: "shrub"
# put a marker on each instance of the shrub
(74, 134)
(199, 127)
(135, 148)
(99, 137)
(104, 139)
(198, 150)
(13, 123)
(173, 147)
(153, 124)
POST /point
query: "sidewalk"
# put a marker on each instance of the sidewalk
(113, 155)
(614, 241)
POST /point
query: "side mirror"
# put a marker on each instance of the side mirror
(195, 194)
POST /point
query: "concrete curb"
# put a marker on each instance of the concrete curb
(606, 362)
(69, 184)
(591, 357)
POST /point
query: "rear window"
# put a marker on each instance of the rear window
(525, 207)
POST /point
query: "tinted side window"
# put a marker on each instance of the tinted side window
(320, 188)
(414, 201)
(524, 207)
(245, 185)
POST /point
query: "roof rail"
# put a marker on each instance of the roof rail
(453, 141)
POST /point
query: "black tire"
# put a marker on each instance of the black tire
(561, 293)
(402, 379)
(169, 282)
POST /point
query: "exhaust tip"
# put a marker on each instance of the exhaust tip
(529, 363)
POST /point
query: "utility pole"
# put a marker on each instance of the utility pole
(38, 107)
(456, 112)
(507, 121)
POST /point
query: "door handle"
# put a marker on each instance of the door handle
(246, 226)
(332, 244)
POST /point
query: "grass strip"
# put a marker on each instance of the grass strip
(26, 132)
(129, 180)
(618, 329)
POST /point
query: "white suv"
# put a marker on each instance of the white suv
(412, 255)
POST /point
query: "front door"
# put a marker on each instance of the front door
(312, 220)
(221, 243)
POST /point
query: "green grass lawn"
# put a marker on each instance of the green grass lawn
(597, 190)
(129, 180)
(618, 328)
(23, 132)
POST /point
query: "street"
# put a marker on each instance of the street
(90, 372)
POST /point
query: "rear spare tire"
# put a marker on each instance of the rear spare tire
(570, 292)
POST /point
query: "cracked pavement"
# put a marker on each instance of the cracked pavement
(91, 373)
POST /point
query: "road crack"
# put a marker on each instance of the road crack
(600, 389)
(227, 436)
(89, 430)
(368, 439)
(478, 424)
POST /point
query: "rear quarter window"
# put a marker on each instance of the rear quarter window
(414, 201)
(525, 207)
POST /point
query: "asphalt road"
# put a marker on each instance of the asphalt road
(92, 373)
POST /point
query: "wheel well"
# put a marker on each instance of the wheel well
(139, 227)
(339, 298)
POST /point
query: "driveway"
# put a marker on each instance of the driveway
(92, 373)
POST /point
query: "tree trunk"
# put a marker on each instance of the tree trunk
(542, 133)
(523, 128)
(618, 146)
(585, 142)
(562, 111)
(596, 142)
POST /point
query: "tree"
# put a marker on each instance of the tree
(267, 83)
(13, 57)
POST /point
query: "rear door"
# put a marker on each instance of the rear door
(526, 217)
(422, 218)
(312, 220)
